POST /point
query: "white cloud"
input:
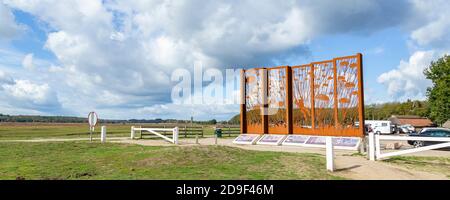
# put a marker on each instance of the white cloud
(5, 78)
(25, 94)
(430, 29)
(8, 26)
(408, 80)
(27, 62)
(126, 50)
(433, 24)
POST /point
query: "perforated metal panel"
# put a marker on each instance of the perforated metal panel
(320, 98)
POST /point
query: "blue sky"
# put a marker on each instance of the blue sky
(117, 57)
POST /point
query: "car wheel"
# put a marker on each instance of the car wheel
(378, 133)
(418, 144)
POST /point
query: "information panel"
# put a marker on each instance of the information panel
(271, 139)
(246, 139)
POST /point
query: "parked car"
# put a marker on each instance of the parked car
(407, 128)
(429, 132)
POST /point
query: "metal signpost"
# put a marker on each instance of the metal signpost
(92, 120)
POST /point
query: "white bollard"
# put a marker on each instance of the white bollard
(132, 133)
(103, 135)
(330, 153)
(175, 135)
(371, 146)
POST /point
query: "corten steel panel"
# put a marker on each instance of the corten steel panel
(323, 91)
(347, 95)
(321, 98)
(254, 101)
(302, 99)
(277, 100)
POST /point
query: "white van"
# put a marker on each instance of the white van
(380, 126)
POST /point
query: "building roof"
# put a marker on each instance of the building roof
(415, 121)
(446, 124)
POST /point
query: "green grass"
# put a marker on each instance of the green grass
(17, 131)
(84, 160)
(428, 164)
(22, 131)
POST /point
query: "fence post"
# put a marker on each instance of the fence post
(185, 131)
(330, 153)
(362, 145)
(175, 135)
(202, 131)
(215, 139)
(377, 146)
(132, 132)
(371, 146)
(103, 134)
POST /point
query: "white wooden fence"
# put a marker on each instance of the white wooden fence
(375, 145)
(174, 138)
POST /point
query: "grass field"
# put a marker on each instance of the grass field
(19, 131)
(84, 160)
(428, 164)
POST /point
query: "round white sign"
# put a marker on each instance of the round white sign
(92, 118)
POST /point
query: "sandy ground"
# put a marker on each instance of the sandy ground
(353, 167)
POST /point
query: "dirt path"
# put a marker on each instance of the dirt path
(356, 167)
(352, 167)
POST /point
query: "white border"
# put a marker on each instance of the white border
(252, 142)
(278, 142)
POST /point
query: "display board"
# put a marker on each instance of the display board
(270, 139)
(347, 143)
(321, 98)
(246, 139)
(295, 140)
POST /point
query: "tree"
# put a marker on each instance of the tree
(439, 93)
(213, 121)
(235, 119)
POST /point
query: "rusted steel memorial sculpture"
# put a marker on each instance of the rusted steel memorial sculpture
(321, 98)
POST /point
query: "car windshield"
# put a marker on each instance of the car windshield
(427, 132)
(436, 133)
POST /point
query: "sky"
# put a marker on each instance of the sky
(118, 57)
